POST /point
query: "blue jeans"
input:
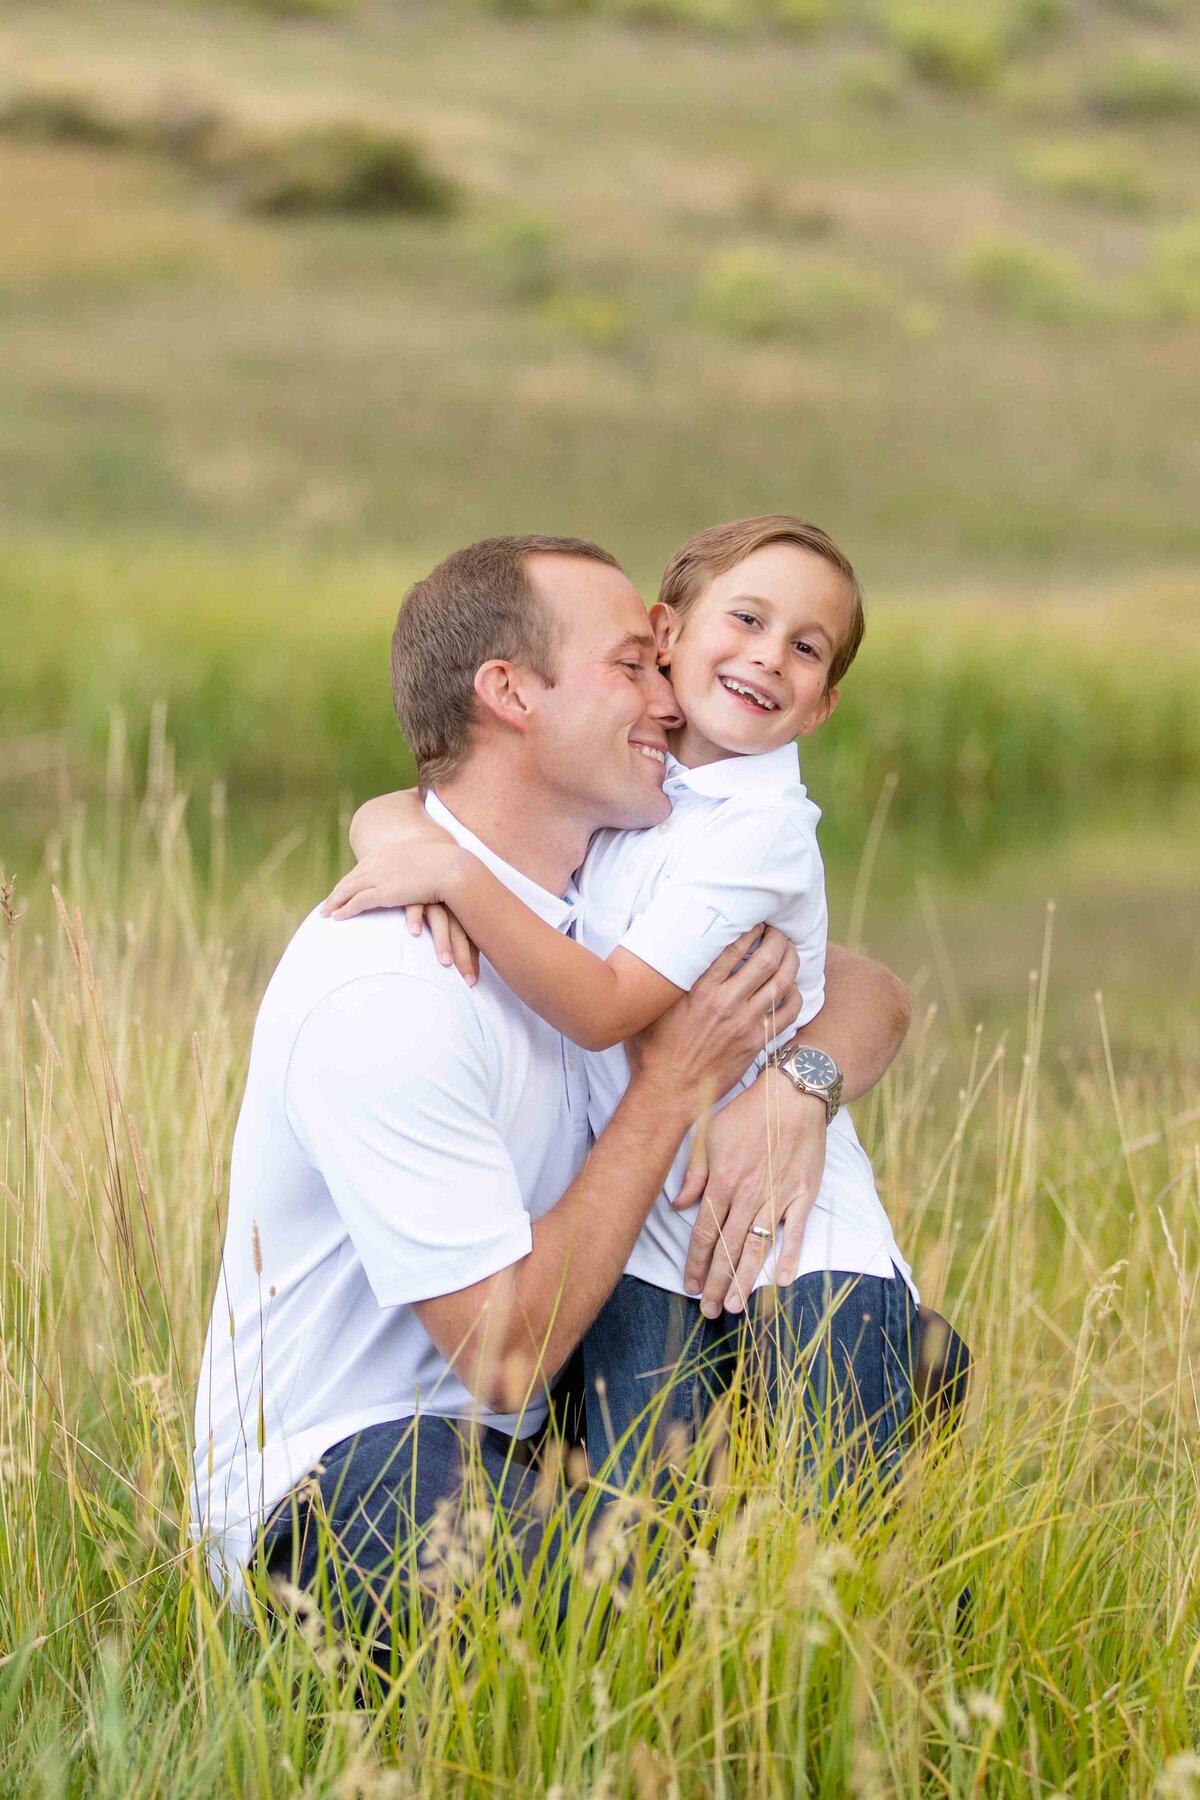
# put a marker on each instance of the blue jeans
(406, 1511)
(831, 1355)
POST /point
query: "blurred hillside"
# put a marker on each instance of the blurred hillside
(927, 272)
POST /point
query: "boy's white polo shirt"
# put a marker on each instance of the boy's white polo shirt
(399, 1132)
(739, 848)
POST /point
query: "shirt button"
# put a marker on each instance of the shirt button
(571, 1061)
(665, 826)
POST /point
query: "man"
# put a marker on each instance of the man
(414, 1233)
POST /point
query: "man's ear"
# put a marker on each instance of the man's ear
(502, 690)
(822, 711)
(665, 626)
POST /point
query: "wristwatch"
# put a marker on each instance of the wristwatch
(812, 1071)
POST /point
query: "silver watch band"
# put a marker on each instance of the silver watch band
(781, 1059)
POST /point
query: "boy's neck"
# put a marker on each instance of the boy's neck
(694, 750)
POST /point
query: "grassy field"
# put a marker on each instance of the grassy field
(929, 273)
(946, 307)
(1052, 1211)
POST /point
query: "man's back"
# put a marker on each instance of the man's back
(398, 1132)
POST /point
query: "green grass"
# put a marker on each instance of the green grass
(1051, 1210)
(273, 673)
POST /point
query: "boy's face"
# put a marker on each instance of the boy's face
(750, 662)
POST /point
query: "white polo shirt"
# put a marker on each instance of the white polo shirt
(399, 1131)
(739, 848)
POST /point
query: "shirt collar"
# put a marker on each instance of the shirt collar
(732, 775)
(558, 911)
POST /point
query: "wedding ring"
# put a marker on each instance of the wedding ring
(761, 1231)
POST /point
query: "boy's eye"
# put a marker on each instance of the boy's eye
(806, 647)
(746, 618)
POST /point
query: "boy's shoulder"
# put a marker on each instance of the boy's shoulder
(748, 830)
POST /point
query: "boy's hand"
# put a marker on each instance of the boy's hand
(760, 1163)
(416, 874)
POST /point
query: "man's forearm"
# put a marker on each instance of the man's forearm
(581, 1246)
(863, 1021)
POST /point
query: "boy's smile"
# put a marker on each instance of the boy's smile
(750, 660)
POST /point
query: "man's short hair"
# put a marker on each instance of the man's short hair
(477, 606)
(715, 551)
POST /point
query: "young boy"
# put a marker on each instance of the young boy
(756, 622)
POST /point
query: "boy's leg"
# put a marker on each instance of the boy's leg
(652, 1363)
(405, 1511)
(832, 1355)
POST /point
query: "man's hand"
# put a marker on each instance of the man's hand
(705, 1042)
(759, 1164)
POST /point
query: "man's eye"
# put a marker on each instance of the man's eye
(634, 667)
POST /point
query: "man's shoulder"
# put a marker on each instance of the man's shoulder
(327, 956)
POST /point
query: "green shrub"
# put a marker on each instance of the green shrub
(1108, 175)
(65, 118)
(953, 47)
(341, 168)
(521, 256)
(1028, 282)
(1144, 85)
(742, 293)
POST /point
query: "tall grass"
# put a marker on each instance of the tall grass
(1051, 1209)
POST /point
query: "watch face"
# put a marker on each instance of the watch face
(813, 1066)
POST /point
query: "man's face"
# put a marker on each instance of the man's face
(599, 735)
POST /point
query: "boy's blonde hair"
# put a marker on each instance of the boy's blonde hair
(717, 550)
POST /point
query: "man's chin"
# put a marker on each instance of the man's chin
(639, 811)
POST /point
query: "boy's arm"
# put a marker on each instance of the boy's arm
(592, 1002)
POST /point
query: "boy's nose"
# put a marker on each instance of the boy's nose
(768, 657)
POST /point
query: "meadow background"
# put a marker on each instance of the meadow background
(296, 295)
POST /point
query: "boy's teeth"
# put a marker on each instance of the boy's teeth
(737, 687)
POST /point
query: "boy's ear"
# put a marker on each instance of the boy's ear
(502, 690)
(821, 711)
(665, 627)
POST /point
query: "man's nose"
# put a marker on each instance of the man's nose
(662, 705)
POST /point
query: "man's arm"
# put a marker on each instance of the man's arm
(764, 1153)
(510, 1333)
(862, 1023)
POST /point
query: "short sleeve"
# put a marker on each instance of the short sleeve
(387, 1094)
(738, 869)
